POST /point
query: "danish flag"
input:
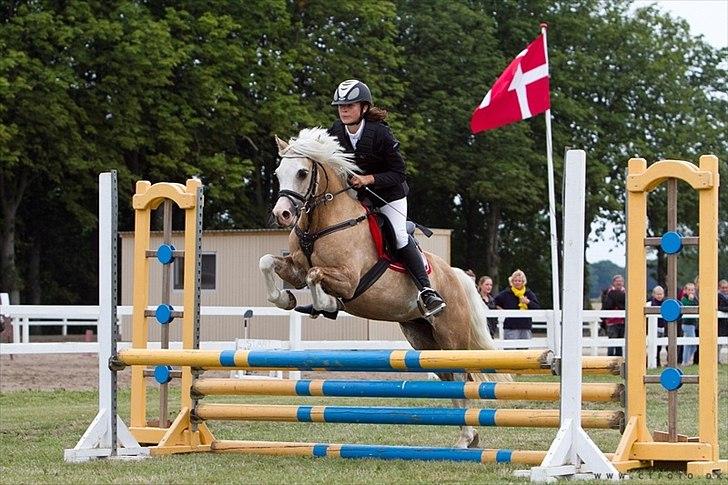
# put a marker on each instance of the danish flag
(521, 92)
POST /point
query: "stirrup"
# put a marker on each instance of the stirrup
(429, 312)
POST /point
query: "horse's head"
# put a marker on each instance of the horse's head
(303, 161)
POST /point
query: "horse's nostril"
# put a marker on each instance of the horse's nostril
(285, 215)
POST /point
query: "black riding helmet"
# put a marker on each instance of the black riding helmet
(352, 91)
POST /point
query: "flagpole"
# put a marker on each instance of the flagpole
(552, 218)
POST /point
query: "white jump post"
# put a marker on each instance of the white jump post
(572, 452)
(99, 441)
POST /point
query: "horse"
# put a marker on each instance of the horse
(329, 224)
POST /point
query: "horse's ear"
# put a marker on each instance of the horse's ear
(281, 144)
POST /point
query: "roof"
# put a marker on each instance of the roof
(249, 231)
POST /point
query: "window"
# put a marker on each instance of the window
(209, 272)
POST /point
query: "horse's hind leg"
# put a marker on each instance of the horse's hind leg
(419, 333)
(468, 434)
(284, 267)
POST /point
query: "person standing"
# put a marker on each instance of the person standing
(722, 307)
(485, 287)
(658, 296)
(689, 298)
(517, 297)
(615, 300)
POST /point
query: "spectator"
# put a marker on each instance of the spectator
(517, 297)
(722, 307)
(696, 356)
(603, 321)
(485, 287)
(658, 296)
(615, 301)
(688, 324)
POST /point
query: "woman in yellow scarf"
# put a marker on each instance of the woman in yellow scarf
(517, 297)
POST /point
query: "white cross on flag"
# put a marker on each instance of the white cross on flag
(520, 92)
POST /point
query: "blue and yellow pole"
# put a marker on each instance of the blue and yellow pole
(380, 452)
(532, 418)
(533, 391)
(344, 360)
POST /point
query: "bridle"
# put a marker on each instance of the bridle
(309, 200)
(307, 203)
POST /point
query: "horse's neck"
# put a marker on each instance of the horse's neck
(340, 209)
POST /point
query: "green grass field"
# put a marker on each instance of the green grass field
(35, 427)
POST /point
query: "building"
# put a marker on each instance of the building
(230, 277)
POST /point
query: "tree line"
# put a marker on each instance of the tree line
(162, 91)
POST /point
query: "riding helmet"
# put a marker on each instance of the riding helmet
(352, 91)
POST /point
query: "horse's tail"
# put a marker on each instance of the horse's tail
(480, 337)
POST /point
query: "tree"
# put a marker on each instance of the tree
(169, 90)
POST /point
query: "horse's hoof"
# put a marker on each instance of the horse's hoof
(467, 442)
(313, 313)
(291, 301)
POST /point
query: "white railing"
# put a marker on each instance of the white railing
(25, 316)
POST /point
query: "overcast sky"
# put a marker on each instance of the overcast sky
(706, 17)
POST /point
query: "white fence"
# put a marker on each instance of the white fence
(25, 316)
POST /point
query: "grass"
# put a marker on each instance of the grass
(36, 426)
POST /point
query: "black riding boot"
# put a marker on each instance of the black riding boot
(429, 300)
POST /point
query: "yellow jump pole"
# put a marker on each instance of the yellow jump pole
(532, 418)
(381, 452)
(345, 360)
(533, 391)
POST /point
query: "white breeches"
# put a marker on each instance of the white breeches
(398, 218)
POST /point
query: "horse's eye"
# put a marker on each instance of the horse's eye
(302, 173)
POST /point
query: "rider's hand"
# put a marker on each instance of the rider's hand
(359, 181)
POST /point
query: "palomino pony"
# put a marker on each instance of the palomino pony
(314, 197)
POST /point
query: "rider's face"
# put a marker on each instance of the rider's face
(350, 113)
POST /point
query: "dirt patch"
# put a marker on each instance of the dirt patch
(81, 372)
(51, 371)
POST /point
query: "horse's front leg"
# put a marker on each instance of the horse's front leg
(339, 281)
(288, 271)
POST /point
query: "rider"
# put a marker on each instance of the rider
(361, 130)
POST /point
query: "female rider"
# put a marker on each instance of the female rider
(361, 130)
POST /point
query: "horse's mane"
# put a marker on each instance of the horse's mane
(317, 144)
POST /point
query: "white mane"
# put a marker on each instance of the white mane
(317, 144)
